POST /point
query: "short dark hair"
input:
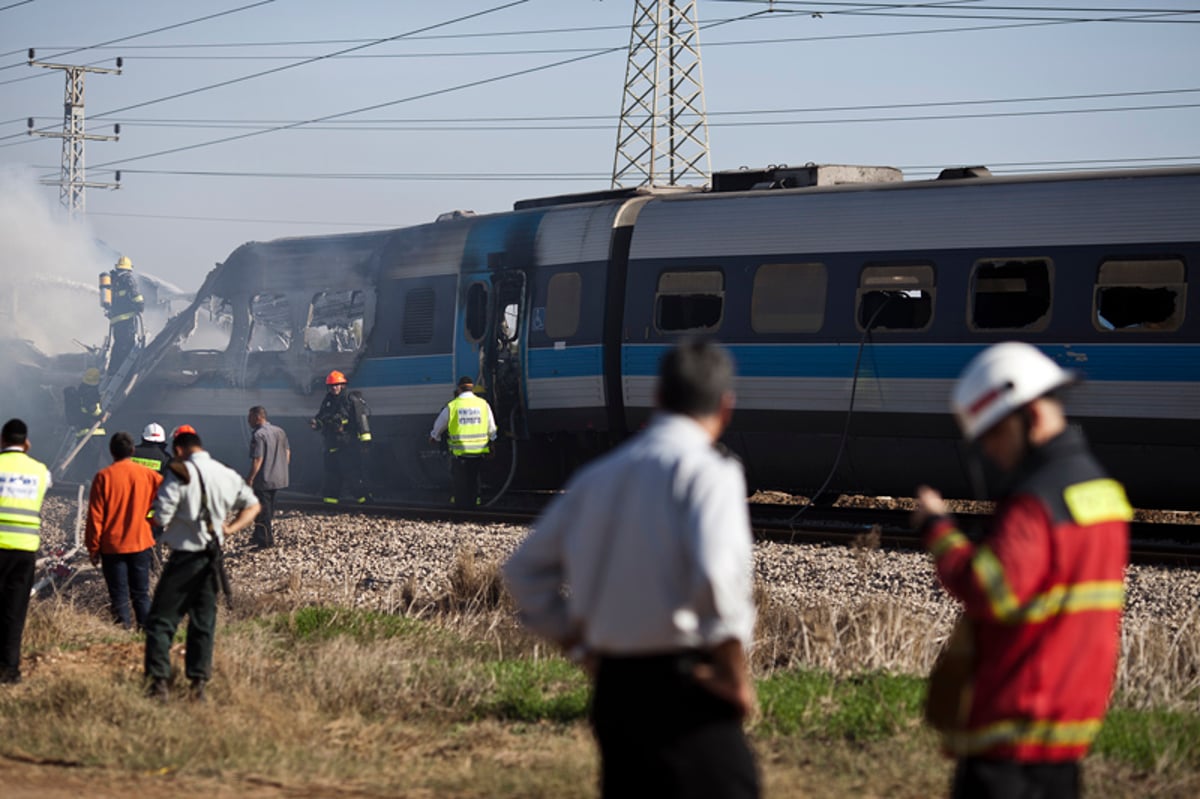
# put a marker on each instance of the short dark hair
(187, 441)
(693, 377)
(14, 433)
(258, 412)
(465, 381)
(120, 446)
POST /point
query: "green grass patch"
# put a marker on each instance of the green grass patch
(537, 690)
(1150, 739)
(320, 623)
(868, 707)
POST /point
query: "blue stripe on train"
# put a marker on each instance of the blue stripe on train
(415, 370)
(1178, 363)
(1124, 362)
(582, 361)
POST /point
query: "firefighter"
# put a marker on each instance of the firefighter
(124, 313)
(1043, 592)
(83, 408)
(151, 451)
(470, 427)
(345, 434)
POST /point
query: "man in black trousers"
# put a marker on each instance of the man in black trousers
(23, 484)
(654, 541)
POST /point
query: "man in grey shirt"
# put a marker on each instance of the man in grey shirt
(653, 546)
(270, 457)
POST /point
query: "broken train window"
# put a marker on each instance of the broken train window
(213, 327)
(1140, 295)
(689, 301)
(1011, 294)
(335, 321)
(896, 297)
(270, 323)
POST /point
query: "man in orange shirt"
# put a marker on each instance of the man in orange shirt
(119, 538)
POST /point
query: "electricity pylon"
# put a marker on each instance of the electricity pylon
(662, 137)
(72, 180)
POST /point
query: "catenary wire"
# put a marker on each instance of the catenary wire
(420, 96)
(262, 73)
(148, 32)
(344, 124)
(745, 42)
(1066, 165)
(252, 76)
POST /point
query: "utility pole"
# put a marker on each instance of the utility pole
(72, 180)
(662, 137)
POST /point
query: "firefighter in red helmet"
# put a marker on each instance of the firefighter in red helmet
(345, 431)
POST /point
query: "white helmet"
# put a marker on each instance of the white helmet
(998, 381)
(154, 432)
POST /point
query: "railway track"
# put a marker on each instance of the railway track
(1151, 543)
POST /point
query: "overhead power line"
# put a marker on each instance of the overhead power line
(756, 16)
(1143, 16)
(488, 177)
(369, 124)
(822, 8)
(143, 33)
(306, 61)
(386, 104)
(252, 76)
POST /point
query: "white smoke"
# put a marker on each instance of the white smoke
(48, 267)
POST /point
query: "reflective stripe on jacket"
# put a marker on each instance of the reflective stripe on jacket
(467, 428)
(23, 484)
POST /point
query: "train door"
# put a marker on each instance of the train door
(504, 352)
(492, 342)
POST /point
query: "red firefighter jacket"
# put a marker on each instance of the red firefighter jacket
(1045, 590)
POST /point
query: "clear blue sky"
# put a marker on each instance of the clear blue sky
(853, 64)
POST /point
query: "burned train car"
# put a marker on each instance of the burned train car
(849, 308)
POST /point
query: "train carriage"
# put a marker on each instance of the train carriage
(849, 308)
(923, 276)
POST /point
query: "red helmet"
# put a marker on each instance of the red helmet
(183, 428)
(335, 378)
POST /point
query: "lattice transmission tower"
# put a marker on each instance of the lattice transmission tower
(72, 180)
(662, 137)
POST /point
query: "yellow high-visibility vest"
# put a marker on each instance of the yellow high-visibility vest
(467, 431)
(23, 484)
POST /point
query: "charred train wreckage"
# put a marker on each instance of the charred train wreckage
(850, 299)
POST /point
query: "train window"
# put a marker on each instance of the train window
(335, 321)
(1140, 295)
(417, 327)
(475, 313)
(563, 302)
(1010, 294)
(788, 298)
(689, 301)
(270, 323)
(896, 297)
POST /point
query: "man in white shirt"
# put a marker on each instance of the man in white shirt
(193, 507)
(653, 544)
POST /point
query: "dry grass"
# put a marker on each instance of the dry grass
(333, 700)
